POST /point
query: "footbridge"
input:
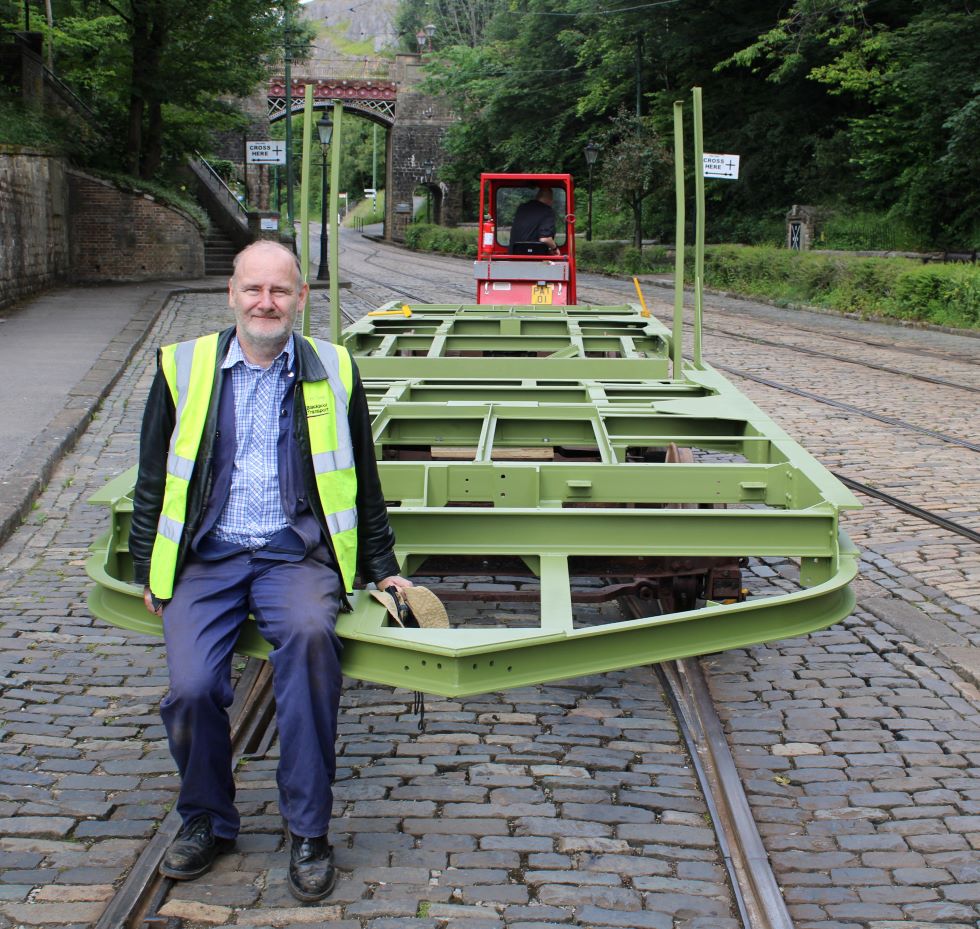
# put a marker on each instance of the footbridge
(384, 91)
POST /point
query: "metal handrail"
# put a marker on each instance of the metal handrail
(51, 78)
(217, 183)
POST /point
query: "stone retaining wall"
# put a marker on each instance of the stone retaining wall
(58, 225)
(34, 251)
(119, 235)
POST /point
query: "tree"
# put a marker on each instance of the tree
(636, 163)
(457, 22)
(905, 80)
(162, 65)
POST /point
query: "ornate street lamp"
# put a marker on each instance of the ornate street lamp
(324, 129)
(591, 153)
(424, 37)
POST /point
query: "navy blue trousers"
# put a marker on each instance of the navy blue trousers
(295, 605)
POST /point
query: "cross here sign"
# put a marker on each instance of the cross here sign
(265, 153)
(721, 166)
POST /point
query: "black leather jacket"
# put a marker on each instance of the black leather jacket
(375, 538)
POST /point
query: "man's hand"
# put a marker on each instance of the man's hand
(148, 603)
(394, 581)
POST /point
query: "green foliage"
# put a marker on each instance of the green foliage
(944, 294)
(636, 163)
(620, 258)
(367, 212)
(907, 103)
(159, 72)
(875, 105)
(430, 238)
(866, 231)
(25, 125)
(731, 226)
(457, 22)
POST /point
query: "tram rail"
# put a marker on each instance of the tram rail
(137, 903)
(918, 351)
(849, 408)
(928, 515)
(939, 381)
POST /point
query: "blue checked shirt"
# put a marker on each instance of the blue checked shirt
(253, 513)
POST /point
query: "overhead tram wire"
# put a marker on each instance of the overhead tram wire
(600, 11)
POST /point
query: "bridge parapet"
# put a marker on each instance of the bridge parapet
(338, 68)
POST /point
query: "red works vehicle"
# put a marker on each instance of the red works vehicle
(530, 271)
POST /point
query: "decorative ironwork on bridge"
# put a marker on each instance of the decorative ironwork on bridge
(359, 84)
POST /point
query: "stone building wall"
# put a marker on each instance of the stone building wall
(420, 126)
(34, 250)
(119, 235)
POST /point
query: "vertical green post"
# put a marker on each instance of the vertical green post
(338, 112)
(678, 334)
(287, 61)
(304, 200)
(699, 224)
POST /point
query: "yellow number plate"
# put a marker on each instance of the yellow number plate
(541, 293)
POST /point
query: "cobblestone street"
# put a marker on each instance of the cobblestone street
(570, 804)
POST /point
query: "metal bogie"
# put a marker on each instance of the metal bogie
(572, 487)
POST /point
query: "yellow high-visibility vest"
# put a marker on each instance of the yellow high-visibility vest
(189, 369)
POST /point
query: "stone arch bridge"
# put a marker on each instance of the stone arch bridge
(385, 92)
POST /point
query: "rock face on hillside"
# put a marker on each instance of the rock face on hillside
(352, 30)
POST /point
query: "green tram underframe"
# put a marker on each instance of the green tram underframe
(555, 444)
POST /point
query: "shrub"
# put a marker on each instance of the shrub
(947, 294)
(431, 238)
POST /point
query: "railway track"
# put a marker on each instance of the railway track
(626, 292)
(140, 902)
(940, 381)
(621, 294)
(137, 903)
(850, 408)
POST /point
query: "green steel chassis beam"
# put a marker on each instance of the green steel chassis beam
(446, 438)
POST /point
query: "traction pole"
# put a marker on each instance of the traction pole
(304, 202)
(699, 223)
(334, 243)
(678, 331)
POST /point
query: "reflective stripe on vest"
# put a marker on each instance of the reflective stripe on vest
(189, 369)
(327, 403)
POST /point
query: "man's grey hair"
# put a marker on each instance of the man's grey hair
(268, 243)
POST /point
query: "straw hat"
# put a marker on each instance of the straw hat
(418, 602)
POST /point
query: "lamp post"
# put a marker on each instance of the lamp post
(591, 153)
(429, 168)
(424, 37)
(324, 128)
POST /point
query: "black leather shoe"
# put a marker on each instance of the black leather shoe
(311, 871)
(193, 852)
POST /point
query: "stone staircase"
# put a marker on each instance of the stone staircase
(219, 250)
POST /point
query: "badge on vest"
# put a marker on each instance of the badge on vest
(317, 409)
